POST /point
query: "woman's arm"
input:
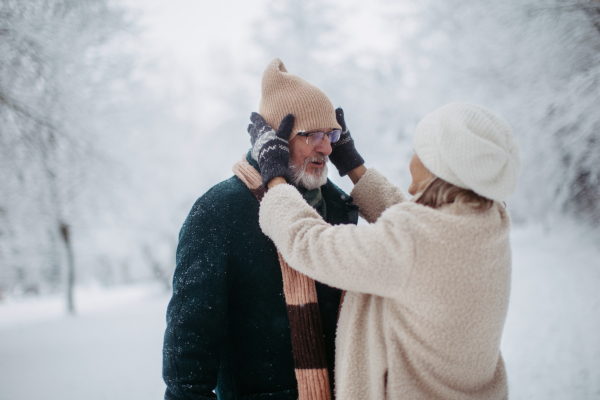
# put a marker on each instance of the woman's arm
(373, 194)
(357, 173)
(354, 175)
(374, 258)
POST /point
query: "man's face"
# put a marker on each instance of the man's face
(308, 162)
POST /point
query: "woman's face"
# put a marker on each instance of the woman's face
(420, 175)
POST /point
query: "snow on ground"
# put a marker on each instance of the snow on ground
(112, 349)
(551, 342)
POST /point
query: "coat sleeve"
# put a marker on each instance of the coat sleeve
(373, 194)
(197, 312)
(375, 258)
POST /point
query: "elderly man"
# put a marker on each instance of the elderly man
(241, 323)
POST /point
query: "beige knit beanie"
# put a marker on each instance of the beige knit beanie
(471, 147)
(284, 93)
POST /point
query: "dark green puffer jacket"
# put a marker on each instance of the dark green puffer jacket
(227, 324)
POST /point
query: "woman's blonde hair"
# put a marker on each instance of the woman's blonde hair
(438, 192)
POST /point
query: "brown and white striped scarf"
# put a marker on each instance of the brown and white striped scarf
(308, 345)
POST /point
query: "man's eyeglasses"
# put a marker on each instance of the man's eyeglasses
(315, 138)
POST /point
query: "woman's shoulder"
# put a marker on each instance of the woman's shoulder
(450, 217)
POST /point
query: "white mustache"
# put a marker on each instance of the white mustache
(316, 159)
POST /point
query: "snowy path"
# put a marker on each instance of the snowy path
(109, 352)
(551, 342)
(113, 349)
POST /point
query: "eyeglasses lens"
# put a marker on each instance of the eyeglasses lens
(315, 138)
(334, 135)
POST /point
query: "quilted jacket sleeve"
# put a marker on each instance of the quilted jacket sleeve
(197, 312)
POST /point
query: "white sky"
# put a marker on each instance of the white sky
(187, 31)
(182, 35)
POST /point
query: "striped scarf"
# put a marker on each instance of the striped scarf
(308, 345)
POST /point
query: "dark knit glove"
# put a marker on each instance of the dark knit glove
(271, 149)
(344, 155)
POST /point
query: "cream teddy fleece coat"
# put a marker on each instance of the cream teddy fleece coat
(427, 289)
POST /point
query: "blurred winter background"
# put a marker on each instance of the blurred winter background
(116, 115)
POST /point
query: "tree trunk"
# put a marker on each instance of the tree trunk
(64, 230)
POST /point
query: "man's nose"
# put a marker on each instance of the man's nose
(324, 147)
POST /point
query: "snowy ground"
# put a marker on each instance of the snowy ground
(112, 350)
(551, 342)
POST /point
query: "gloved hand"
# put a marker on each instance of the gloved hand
(344, 155)
(271, 149)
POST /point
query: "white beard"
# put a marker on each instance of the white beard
(300, 177)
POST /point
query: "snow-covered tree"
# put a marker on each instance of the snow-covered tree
(537, 64)
(300, 32)
(57, 76)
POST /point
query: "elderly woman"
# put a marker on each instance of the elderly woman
(428, 279)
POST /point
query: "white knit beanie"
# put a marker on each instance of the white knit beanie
(471, 147)
(284, 93)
